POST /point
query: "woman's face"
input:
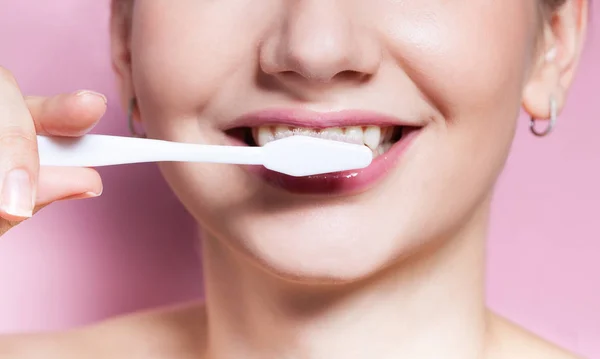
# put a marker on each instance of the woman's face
(452, 74)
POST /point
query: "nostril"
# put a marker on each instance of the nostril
(342, 76)
(350, 75)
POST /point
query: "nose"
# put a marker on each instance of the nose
(319, 41)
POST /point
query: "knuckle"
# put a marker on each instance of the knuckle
(17, 139)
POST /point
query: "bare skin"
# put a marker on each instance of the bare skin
(180, 333)
(281, 279)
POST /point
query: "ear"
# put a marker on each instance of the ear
(120, 33)
(564, 36)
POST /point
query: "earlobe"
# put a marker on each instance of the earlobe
(553, 74)
(543, 96)
(552, 123)
(543, 90)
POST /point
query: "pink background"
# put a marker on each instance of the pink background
(134, 247)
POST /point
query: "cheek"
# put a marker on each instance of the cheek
(464, 53)
(185, 52)
(469, 60)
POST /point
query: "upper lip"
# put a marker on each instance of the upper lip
(319, 120)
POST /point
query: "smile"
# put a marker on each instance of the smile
(387, 137)
(378, 139)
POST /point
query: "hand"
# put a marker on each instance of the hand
(24, 186)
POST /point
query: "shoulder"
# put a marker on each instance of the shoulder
(174, 333)
(510, 341)
(31, 346)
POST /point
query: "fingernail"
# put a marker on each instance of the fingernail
(17, 194)
(92, 93)
(85, 195)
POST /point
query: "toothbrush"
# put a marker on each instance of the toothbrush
(296, 156)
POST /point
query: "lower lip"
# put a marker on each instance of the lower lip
(340, 183)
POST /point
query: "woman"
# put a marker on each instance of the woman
(382, 263)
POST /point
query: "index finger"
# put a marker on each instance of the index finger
(66, 114)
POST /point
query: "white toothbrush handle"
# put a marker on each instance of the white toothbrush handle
(102, 150)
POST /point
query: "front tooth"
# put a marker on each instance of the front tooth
(372, 137)
(281, 132)
(333, 133)
(265, 135)
(301, 131)
(354, 134)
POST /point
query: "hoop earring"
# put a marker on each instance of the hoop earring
(551, 125)
(131, 120)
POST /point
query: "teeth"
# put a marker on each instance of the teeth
(374, 137)
(354, 134)
(334, 133)
(264, 136)
(303, 132)
(282, 132)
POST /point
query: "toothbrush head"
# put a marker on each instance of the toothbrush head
(301, 156)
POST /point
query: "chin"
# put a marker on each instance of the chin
(320, 259)
(321, 241)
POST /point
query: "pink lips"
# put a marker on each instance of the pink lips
(319, 120)
(342, 183)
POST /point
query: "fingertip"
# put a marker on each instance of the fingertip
(67, 114)
(90, 177)
(88, 106)
(82, 112)
(56, 183)
(87, 95)
(95, 180)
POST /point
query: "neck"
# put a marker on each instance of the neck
(430, 305)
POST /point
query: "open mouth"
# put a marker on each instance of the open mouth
(387, 137)
(379, 139)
